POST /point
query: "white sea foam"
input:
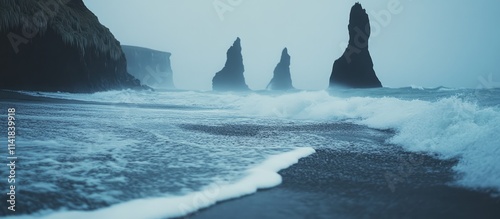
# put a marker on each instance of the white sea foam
(417, 87)
(450, 127)
(262, 176)
(185, 98)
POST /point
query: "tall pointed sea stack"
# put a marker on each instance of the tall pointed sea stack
(355, 68)
(282, 79)
(58, 45)
(231, 77)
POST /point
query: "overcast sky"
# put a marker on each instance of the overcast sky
(425, 43)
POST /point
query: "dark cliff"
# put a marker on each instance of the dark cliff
(231, 77)
(282, 79)
(58, 45)
(151, 67)
(355, 68)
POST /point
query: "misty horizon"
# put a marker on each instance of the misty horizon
(315, 34)
(408, 49)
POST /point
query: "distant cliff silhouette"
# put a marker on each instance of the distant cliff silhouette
(151, 67)
(282, 79)
(355, 68)
(66, 49)
(231, 77)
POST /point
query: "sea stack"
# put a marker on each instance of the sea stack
(282, 79)
(355, 68)
(151, 67)
(58, 45)
(231, 77)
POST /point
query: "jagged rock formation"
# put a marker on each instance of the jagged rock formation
(58, 45)
(355, 68)
(231, 77)
(282, 79)
(151, 67)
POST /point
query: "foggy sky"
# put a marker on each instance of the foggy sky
(424, 43)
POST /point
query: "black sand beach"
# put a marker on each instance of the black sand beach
(354, 173)
(340, 184)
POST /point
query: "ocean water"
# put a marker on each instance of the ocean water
(155, 154)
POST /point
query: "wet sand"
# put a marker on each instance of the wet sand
(341, 184)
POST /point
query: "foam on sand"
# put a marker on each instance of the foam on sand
(262, 176)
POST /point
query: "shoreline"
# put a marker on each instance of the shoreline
(341, 184)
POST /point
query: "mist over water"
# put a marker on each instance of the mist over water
(408, 44)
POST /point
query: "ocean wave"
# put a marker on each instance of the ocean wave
(181, 99)
(450, 127)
